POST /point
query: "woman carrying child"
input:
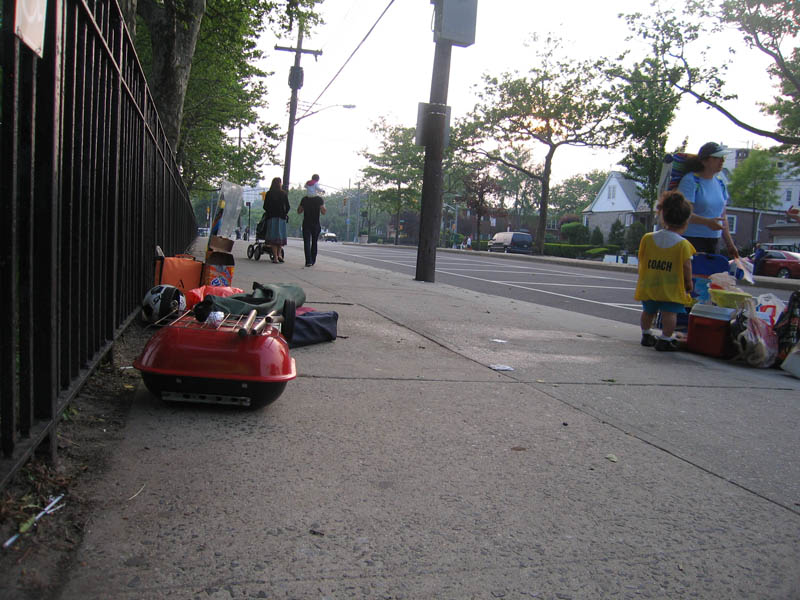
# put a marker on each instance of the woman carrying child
(665, 272)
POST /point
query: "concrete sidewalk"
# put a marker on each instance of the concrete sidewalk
(399, 464)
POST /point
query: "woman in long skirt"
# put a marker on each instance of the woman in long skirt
(276, 209)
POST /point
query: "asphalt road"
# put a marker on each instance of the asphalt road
(588, 291)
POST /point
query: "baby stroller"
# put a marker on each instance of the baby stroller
(257, 248)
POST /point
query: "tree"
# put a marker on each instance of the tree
(575, 232)
(174, 28)
(577, 192)
(765, 26)
(225, 93)
(646, 111)
(633, 236)
(754, 184)
(395, 173)
(597, 237)
(481, 188)
(616, 236)
(560, 102)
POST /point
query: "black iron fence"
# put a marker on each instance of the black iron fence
(89, 187)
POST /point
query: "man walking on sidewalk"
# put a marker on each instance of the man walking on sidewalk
(311, 207)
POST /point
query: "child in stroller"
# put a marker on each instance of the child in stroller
(259, 246)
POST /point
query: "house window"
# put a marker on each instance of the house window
(732, 224)
(612, 192)
(788, 196)
(628, 219)
(585, 220)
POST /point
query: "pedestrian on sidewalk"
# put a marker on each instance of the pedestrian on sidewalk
(665, 272)
(311, 207)
(276, 211)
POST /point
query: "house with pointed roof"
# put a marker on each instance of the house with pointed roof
(617, 200)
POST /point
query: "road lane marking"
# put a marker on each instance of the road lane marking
(515, 285)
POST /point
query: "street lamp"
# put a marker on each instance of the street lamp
(293, 120)
(308, 114)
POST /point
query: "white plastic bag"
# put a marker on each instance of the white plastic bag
(743, 269)
(724, 281)
(771, 305)
(754, 339)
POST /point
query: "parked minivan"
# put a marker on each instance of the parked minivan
(513, 242)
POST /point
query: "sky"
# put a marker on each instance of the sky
(391, 73)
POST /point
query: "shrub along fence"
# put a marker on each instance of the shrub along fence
(90, 187)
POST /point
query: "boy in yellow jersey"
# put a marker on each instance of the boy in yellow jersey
(665, 271)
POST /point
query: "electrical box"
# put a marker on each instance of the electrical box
(296, 77)
(455, 21)
(424, 130)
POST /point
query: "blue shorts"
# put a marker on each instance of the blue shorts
(651, 307)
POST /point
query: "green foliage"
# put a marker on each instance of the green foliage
(597, 237)
(647, 109)
(634, 235)
(616, 235)
(567, 250)
(395, 172)
(575, 232)
(577, 192)
(595, 252)
(754, 183)
(214, 121)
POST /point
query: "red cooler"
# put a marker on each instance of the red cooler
(708, 330)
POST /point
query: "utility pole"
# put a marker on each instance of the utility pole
(430, 214)
(295, 83)
(454, 24)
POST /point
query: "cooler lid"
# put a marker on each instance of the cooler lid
(710, 311)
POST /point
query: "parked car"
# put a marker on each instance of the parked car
(512, 242)
(202, 231)
(329, 236)
(774, 246)
(780, 263)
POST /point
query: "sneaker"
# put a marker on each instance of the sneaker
(648, 339)
(669, 345)
(308, 264)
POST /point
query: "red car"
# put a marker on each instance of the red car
(780, 263)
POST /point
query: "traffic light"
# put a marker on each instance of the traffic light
(263, 196)
(344, 201)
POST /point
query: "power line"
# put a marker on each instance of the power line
(348, 58)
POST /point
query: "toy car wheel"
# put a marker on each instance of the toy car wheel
(287, 327)
(257, 252)
(783, 273)
(250, 251)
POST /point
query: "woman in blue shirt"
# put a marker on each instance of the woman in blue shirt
(708, 195)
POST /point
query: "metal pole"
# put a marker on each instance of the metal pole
(431, 205)
(295, 84)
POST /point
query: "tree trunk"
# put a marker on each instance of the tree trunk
(128, 8)
(174, 28)
(542, 225)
